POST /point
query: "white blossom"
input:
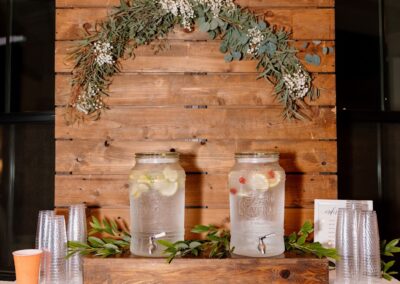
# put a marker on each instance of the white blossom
(297, 83)
(103, 51)
(89, 101)
(217, 5)
(256, 37)
(181, 8)
(184, 8)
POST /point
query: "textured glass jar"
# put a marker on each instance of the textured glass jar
(157, 202)
(257, 203)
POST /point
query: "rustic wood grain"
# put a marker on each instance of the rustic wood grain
(212, 123)
(185, 89)
(305, 24)
(281, 269)
(201, 190)
(197, 57)
(216, 156)
(242, 3)
(294, 217)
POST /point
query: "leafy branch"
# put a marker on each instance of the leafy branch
(243, 34)
(216, 244)
(387, 251)
(114, 240)
(297, 242)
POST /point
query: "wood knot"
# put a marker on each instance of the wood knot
(107, 143)
(269, 14)
(284, 273)
(87, 27)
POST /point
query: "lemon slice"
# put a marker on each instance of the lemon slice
(138, 189)
(165, 187)
(274, 177)
(259, 182)
(144, 179)
(170, 174)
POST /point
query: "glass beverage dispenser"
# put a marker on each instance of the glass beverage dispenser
(157, 202)
(257, 202)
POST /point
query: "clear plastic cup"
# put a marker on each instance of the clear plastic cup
(42, 240)
(347, 267)
(77, 231)
(370, 261)
(55, 272)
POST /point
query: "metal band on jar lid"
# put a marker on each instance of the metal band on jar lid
(257, 157)
(157, 157)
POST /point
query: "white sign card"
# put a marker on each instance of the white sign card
(325, 218)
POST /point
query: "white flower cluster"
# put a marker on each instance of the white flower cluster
(297, 83)
(217, 5)
(256, 37)
(90, 101)
(103, 51)
(181, 8)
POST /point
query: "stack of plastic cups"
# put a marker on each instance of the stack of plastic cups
(76, 232)
(42, 240)
(55, 272)
(370, 261)
(346, 244)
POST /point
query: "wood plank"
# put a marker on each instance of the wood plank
(305, 24)
(185, 89)
(242, 3)
(201, 190)
(294, 217)
(282, 269)
(215, 156)
(212, 123)
(196, 57)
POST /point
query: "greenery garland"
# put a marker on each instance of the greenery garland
(243, 36)
(109, 237)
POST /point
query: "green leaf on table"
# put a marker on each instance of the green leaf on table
(392, 244)
(96, 242)
(198, 229)
(307, 228)
(194, 244)
(166, 243)
(388, 265)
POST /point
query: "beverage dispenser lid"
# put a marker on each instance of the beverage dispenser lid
(157, 155)
(267, 154)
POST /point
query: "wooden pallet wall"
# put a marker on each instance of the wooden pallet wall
(149, 111)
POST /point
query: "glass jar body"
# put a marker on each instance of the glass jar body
(157, 204)
(257, 202)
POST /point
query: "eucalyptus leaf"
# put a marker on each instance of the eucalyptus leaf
(228, 57)
(262, 25)
(204, 27)
(214, 24)
(237, 55)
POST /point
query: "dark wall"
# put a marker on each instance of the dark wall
(26, 122)
(368, 101)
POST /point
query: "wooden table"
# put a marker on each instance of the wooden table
(287, 268)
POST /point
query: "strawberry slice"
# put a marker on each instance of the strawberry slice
(242, 180)
(233, 191)
(271, 174)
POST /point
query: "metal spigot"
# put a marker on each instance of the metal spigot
(261, 246)
(152, 243)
